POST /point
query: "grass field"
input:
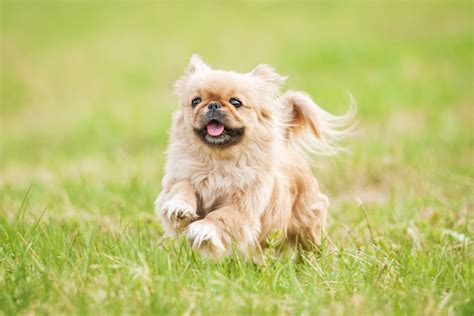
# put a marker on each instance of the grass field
(86, 98)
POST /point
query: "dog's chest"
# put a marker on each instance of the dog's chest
(218, 185)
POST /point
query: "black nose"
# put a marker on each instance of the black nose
(213, 106)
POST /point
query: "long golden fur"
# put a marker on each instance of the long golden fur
(236, 172)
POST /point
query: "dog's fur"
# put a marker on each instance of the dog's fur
(234, 190)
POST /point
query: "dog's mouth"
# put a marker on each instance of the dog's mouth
(215, 128)
(216, 134)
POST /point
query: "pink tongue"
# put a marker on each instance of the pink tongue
(215, 129)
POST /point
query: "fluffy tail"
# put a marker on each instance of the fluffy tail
(312, 129)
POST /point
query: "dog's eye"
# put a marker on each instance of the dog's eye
(235, 102)
(196, 101)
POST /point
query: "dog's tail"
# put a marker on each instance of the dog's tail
(312, 129)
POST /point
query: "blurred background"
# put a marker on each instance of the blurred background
(86, 102)
(86, 96)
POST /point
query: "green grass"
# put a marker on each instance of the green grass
(86, 98)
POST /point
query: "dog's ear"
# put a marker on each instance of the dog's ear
(268, 75)
(196, 64)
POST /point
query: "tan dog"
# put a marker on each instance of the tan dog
(236, 169)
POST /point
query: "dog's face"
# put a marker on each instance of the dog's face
(224, 109)
(219, 111)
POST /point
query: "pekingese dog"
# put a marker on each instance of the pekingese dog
(237, 167)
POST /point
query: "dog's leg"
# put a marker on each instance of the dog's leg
(176, 206)
(219, 230)
(308, 219)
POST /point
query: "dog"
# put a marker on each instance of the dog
(238, 161)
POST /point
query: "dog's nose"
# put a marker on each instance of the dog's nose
(213, 106)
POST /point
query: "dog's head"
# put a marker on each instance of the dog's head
(224, 109)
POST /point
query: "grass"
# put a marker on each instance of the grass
(86, 100)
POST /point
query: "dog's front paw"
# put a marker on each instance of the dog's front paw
(178, 209)
(204, 236)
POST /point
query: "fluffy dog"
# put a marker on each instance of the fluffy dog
(237, 167)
